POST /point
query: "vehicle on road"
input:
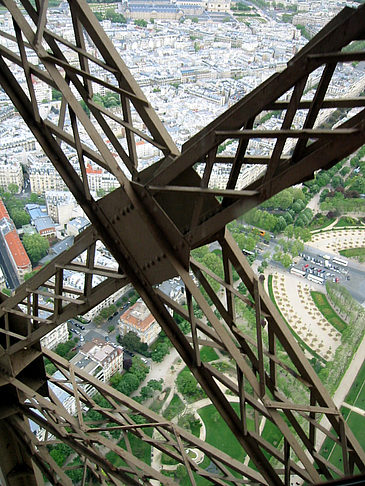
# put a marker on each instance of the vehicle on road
(315, 279)
(340, 261)
(247, 252)
(297, 271)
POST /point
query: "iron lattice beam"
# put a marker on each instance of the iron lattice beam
(169, 210)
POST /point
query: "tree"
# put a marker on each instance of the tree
(281, 224)
(131, 341)
(160, 351)
(36, 246)
(56, 95)
(186, 383)
(138, 368)
(146, 392)
(289, 231)
(140, 23)
(20, 217)
(13, 188)
(155, 384)
(129, 383)
(180, 472)
(286, 260)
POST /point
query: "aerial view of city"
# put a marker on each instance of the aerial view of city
(182, 242)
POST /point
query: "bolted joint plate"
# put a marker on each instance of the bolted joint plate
(143, 233)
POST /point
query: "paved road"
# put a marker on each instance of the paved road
(356, 271)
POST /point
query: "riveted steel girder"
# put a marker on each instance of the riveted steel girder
(150, 225)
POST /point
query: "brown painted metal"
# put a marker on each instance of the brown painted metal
(175, 211)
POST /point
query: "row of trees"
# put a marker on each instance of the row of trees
(354, 314)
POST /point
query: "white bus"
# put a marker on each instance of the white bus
(315, 279)
(339, 261)
(296, 271)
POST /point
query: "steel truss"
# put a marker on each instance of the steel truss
(150, 224)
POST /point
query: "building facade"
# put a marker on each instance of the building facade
(55, 337)
(13, 254)
(107, 356)
(139, 320)
(60, 206)
(11, 173)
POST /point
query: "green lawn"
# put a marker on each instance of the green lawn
(324, 307)
(140, 449)
(220, 436)
(208, 354)
(218, 433)
(356, 422)
(353, 252)
(352, 395)
(175, 407)
(346, 221)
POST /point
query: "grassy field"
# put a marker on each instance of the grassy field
(324, 307)
(353, 253)
(175, 407)
(346, 221)
(140, 449)
(356, 422)
(208, 354)
(220, 436)
(218, 433)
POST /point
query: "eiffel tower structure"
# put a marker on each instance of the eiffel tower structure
(150, 224)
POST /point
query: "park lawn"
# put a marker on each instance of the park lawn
(218, 433)
(220, 436)
(324, 307)
(175, 407)
(352, 397)
(208, 354)
(168, 460)
(353, 252)
(344, 222)
(140, 449)
(273, 435)
(356, 422)
(320, 225)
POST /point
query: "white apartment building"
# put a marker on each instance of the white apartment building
(11, 173)
(60, 206)
(100, 179)
(107, 302)
(108, 357)
(55, 337)
(44, 177)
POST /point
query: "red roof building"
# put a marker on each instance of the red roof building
(18, 253)
(3, 212)
(17, 257)
(139, 320)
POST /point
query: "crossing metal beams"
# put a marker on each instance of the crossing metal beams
(150, 225)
